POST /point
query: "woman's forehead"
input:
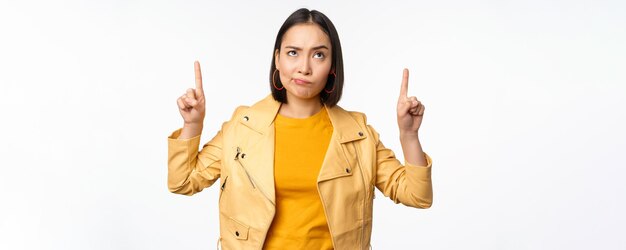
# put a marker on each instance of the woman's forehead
(305, 35)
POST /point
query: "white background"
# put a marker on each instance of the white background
(525, 116)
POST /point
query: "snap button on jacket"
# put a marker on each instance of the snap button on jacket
(241, 156)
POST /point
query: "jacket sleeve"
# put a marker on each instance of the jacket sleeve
(408, 184)
(190, 171)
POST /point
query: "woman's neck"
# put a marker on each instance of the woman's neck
(300, 108)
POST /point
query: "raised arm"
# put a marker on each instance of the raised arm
(409, 183)
(190, 171)
(410, 115)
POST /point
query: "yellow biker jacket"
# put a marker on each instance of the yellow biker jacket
(241, 155)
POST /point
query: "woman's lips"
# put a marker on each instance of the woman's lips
(301, 82)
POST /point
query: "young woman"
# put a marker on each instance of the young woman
(297, 171)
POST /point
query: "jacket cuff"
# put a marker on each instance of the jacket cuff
(179, 144)
(429, 162)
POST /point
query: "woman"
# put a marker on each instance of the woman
(297, 171)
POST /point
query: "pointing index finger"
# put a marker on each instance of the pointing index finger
(404, 88)
(198, 73)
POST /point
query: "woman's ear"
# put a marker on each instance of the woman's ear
(276, 58)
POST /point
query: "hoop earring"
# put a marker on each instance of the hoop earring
(274, 82)
(333, 89)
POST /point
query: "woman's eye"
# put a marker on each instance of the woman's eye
(318, 55)
(291, 53)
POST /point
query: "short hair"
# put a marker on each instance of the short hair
(301, 16)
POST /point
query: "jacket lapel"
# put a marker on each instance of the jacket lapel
(259, 145)
(340, 157)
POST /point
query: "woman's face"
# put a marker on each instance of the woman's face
(304, 61)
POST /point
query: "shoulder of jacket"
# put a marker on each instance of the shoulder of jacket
(359, 117)
(238, 111)
(234, 117)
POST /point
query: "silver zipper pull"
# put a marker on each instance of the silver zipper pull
(238, 152)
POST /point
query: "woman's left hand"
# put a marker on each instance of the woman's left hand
(410, 110)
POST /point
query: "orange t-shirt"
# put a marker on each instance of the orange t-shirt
(300, 147)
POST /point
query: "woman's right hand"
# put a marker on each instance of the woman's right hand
(191, 107)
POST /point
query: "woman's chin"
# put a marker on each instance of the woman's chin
(305, 94)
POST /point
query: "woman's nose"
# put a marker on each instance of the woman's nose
(304, 68)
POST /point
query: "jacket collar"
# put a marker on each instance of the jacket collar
(260, 117)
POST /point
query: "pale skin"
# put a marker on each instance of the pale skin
(304, 63)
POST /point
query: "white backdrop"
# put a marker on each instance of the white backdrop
(525, 116)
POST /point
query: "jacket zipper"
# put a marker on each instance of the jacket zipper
(244, 169)
(223, 187)
(249, 176)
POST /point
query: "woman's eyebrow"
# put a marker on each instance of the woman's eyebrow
(298, 48)
(320, 47)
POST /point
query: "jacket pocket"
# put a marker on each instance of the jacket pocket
(237, 229)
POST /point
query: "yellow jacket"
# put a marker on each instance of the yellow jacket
(242, 154)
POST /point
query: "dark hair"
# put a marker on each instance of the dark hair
(312, 16)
